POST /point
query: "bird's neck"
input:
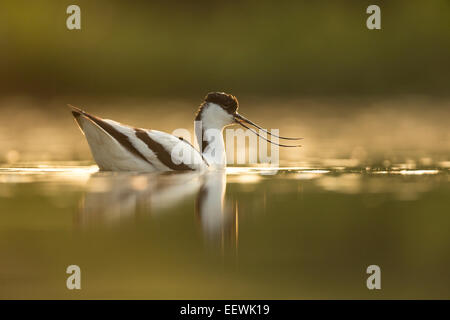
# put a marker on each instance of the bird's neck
(209, 123)
(211, 143)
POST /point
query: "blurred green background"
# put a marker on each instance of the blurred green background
(261, 48)
(311, 69)
(372, 105)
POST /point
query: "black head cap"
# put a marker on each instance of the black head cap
(226, 101)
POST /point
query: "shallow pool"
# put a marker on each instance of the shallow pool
(268, 233)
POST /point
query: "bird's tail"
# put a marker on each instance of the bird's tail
(76, 111)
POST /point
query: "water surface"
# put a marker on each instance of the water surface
(261, 232)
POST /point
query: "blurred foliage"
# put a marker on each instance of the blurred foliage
(150, 48)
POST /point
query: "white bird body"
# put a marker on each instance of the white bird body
(111, 152)
(118, 147)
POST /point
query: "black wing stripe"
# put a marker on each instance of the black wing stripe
(119, 136)
(162, 154)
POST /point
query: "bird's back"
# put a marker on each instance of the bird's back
(118, 147)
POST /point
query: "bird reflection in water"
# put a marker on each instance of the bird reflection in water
(117, 198)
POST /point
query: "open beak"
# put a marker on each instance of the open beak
(241, 120)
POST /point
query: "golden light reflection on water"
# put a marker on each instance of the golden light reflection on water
(417, 172)
(12, 174)
(245, 178)
(161, 191)
(38, 172)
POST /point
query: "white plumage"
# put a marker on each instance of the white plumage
(118, 147)
(111, 154)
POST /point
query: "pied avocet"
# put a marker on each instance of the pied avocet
(118, 147)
